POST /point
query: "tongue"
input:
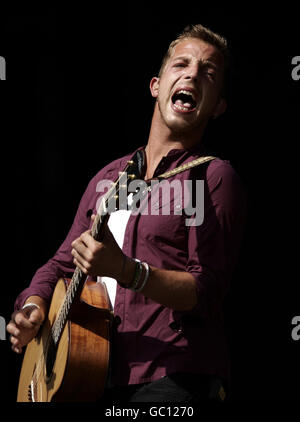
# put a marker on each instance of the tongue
(180, 103)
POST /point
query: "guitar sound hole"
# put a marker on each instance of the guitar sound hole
(51, 357)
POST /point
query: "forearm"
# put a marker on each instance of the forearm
(173, 289)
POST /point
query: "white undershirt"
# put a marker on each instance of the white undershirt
(117, 223)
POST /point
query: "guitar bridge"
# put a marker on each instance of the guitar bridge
(29, 393)
(32, 391)
(32, 387)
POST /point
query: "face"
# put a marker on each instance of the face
(188, 91)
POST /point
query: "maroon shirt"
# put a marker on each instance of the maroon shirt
(150, 340)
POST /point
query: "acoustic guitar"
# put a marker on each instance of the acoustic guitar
(68, 360)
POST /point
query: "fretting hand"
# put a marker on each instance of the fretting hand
(98, 258)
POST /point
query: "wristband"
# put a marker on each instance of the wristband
(137, 274)
(30, 304)
(139, 288)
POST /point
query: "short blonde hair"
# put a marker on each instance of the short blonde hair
(202, 33)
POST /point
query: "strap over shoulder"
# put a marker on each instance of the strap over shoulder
(186, 166)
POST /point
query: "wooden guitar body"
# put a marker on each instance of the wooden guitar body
(76, 368)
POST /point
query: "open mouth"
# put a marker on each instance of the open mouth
(184, 101)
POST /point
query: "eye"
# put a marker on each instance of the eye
(210, 74)
(179, 64)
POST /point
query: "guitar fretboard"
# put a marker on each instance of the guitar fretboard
(77, 282)
(79, 278)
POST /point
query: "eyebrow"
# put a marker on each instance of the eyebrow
(181, 58)
(204, 62)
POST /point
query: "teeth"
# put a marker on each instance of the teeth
(183, 91)
(180, 107)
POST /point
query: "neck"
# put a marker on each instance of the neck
(162, 140)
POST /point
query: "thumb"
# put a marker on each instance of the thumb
(35, 316)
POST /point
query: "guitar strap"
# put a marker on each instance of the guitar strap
(186, 166)
(139, 160)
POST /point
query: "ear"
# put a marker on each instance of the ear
(154, 87)
(220, 108)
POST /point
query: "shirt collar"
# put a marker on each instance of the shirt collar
(196, 150)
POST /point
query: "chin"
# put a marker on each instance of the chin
(182, 125)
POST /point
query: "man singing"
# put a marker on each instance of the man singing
(168, 341)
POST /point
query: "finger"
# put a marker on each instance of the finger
(16, 349)
(15, 335)
(13, 331)
(80, 246)
(89, 241)
(11, 327)
(79, 265)
(83, 260)
(36, 317)
(80, 239)
(22, 320)
(14, 341)
(16, 344)
(79, 251)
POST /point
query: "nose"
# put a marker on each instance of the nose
(193, 73)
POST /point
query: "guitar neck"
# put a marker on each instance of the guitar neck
(134, 168)
(77, 282)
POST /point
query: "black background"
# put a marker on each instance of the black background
(77, 97)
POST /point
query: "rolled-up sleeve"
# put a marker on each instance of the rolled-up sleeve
(213, 246)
